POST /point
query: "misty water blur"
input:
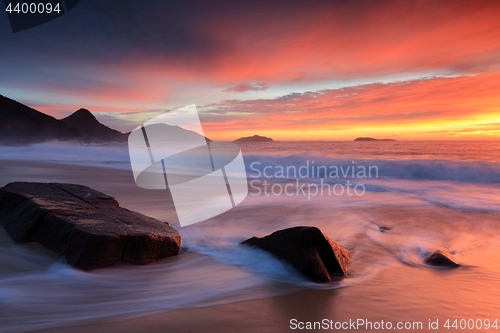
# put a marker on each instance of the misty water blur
(446, 197)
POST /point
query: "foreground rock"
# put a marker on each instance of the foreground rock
(308, 250)
(441, 258)
(85, 226)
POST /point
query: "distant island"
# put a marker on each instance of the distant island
(372, 139)
(255, 138)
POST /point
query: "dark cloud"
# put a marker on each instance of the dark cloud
(110, 29)
(408, 102)
(107, 30)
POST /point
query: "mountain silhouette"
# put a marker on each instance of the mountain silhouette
(22, 125)
(255, 138)
(87, 124)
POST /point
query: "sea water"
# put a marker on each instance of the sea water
(425, 196)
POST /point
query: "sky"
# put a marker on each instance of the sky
(290, 70)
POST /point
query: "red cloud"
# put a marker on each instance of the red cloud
(407, 106)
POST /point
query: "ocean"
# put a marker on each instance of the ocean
(428, 196)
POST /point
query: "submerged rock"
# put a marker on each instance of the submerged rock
(441, 258)
(308, 250)
(85, 226)
(381, 228)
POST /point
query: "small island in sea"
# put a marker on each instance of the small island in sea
(371, 139)
(255, 138)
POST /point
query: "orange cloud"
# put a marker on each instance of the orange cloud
(438, 108)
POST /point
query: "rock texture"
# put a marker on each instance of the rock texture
(85, 226)
(255, 138)
(308, 250)
(441, 258)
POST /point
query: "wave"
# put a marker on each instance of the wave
(310, 167)
(116, 155)
(47, 293)
(60, 295)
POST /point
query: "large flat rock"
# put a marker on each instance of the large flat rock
(87, 227)
(308, 250)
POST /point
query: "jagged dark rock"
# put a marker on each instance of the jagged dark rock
(85, 226)
(308, 250)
